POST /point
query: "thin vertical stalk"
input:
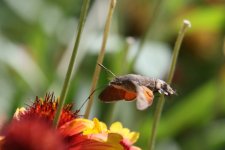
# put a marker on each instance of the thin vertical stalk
(160, 104)
(154, 16)
(224, 46)
(63, 94)
(122, 70)
(124, 63)
(186, 25)
(100, 56)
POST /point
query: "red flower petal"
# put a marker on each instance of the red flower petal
(31, 135)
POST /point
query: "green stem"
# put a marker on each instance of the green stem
(121, 70)
(160, 104)
(154, 16)
(224, 46)
(100, 57)
(186, 25)
(63, 94)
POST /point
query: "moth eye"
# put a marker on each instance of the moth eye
(165, 86)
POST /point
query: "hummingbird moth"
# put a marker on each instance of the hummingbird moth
(132, 86)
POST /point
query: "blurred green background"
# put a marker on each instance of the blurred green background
(37, 37)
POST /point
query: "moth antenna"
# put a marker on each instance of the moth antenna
(107, 69)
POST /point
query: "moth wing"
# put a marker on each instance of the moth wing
(130, 90)
(144, 97)
(111, 94)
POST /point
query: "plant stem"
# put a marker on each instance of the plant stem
(100, 56)
(224, 46)
(122, 69)
(186, 25)
(160, 104)
(63, 94)
(154, 16)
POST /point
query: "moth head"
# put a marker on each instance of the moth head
(163, 88)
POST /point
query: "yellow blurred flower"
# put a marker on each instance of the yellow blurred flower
(96, 127)
(125, 132)
(115, 138)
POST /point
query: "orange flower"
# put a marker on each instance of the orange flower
(1, 141)
(98, 133)
(46, 109)
(32, 129)
(32, 134)
(90, 135)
